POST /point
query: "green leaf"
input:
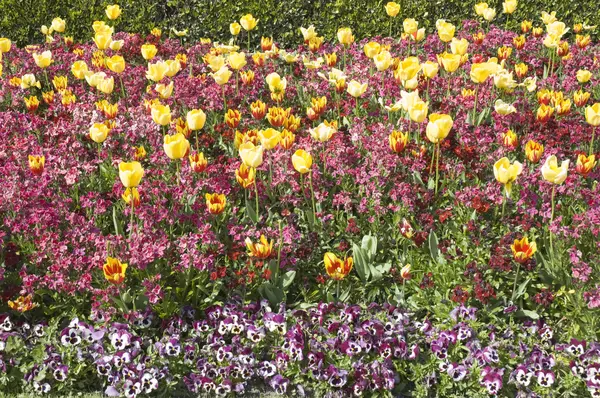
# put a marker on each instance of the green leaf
(369, 245)
(360, 263)
(433, 246)
(116, 223)
(529, 313)
(251, 211)
(288, 278)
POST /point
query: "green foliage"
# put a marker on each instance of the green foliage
(21, 20)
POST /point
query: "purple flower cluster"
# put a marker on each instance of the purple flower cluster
(330, 350)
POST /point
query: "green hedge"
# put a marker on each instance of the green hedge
(21, 20)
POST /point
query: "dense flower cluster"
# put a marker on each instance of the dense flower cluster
(418, 169)
(328, 350)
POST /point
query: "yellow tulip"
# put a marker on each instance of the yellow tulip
(504, 80)
(409, 99)
(94, 79)
(445, 30)
(430, 69)
(44, 59)
(450, 62)
(356, 89)
(234, 28)
(99, 132)
(345, 36)
(506, 173)
(459, 46)
(308, 33)
(554, 173)
(106, 86)
(509, 6)
(148, 51)
(130, 173)
(269, 138)
(481, 71)
(418, 111)
(161, 114)
(583, 76)
(408, 69)
(58, 25)
(102, 40)
(439, 127)
(548, 18)
(116, 63)
(116, 45)
(480, 8)
(176, 146)
(113, 11)
(302, 161)
(164, 90)
(371, 49)
(29, 80)
(222, 76)
(410, 26)
(592, 114)
(195, 119)
(173, 67)
(102, 27)
(157, 71)
(503, 108)
(248, 22)
(215, 62)
(323, 132)
(585, 164)
(392, 8)
(5, 44)
(276, 83)
(237, 60)
(489, 14)
(383, 60)
(251, 155)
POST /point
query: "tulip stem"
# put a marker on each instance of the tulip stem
(437, 168)
(256, 194)
(131, 219)
(248, 41)
(550, 225)
(312, 194)
(224, 99)
(47, 81)
(237, 83)
(337, 291)
(122, 88)
(503, 206)
(356, 105)
(475, 106)
(432, 160)
(592, 141)
(512, 296)
(344, 52)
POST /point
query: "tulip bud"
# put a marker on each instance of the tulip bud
(398, 141)
(510, 139)
(405, 272)
(585, 164)
(215, 203)
(198, 162)
(245, 176)
(36, 164)
(287, 139)
(233, 118)
(131, 194)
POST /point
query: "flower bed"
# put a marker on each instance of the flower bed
(328, 350)
(148, 180)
